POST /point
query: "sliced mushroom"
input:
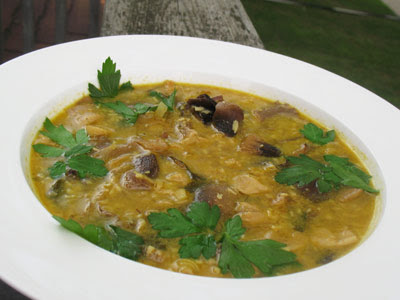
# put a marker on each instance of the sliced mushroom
(274, 109)
(103, 212)
(114, 151)
(196, 180)
(296, 241)
(56, 189)
(326, 258)
(281, 199)
(155, 254)
(324, 238)
(311, 192)
(179, 177)
(227, 117)
(83, 114)
(349, 194)
(93, 131)
(218, 99)
(303, 149)
(70, 173)
(218, 194)
(182, 165)
(154, 145)
(100, 141)
(251, 215)
(248, 185)
(135, 181)
(147, 165)
(255, 145)
(202, 107)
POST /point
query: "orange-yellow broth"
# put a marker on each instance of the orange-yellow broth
(316, 231)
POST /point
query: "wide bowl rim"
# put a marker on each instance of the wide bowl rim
(283, 66)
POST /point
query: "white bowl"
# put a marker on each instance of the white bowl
(44, 261)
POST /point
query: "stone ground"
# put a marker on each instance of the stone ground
(393, 5)
(44, 20)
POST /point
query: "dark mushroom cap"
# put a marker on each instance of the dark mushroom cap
(202, 107)
(133, 181)
(182, 165)
(255, 145)
(56, 188)
(227, 117)
(274, 109)
(268, 150)
(147, 165)
(311, 192)
(217, 194)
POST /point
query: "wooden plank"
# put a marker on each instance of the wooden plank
(45, 21)
(61, 20)
(224, 20)
(94, 28)
(28, 25)
(1, 32)
(78, 17)
(393, 5)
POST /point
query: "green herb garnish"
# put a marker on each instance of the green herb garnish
(130, 115)
(238, 256)
(196, 245)
(109, 78)
(316, 134)
(198, 232)
(116, 240)
(199, 219)
(169, 101)
(339, 171)
(74, 151)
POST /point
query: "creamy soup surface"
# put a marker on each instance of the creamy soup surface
(171, 159)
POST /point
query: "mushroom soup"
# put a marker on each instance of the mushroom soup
(202, 180)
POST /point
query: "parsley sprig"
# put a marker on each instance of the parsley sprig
(198, 237)
(109, 78)
(337, 172)
(116, 240)
(169, 101)
(317, 135)
(74, 151)
(130, 115)
(198, 220)
(238, 256)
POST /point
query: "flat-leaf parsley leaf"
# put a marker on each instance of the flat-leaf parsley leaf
(238, 256)
(116, 240)
(172, 224)
(198, 232)
(109, 78)
(74, 152)
(316, 134)
(339, 171)
(169, 101)
(130, 115)
(196, 245)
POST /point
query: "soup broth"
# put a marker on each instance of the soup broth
(172, 159)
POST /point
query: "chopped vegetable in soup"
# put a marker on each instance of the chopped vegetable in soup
(201, 180)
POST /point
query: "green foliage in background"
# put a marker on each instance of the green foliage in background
(365, 50)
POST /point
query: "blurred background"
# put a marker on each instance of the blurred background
(357, 39)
